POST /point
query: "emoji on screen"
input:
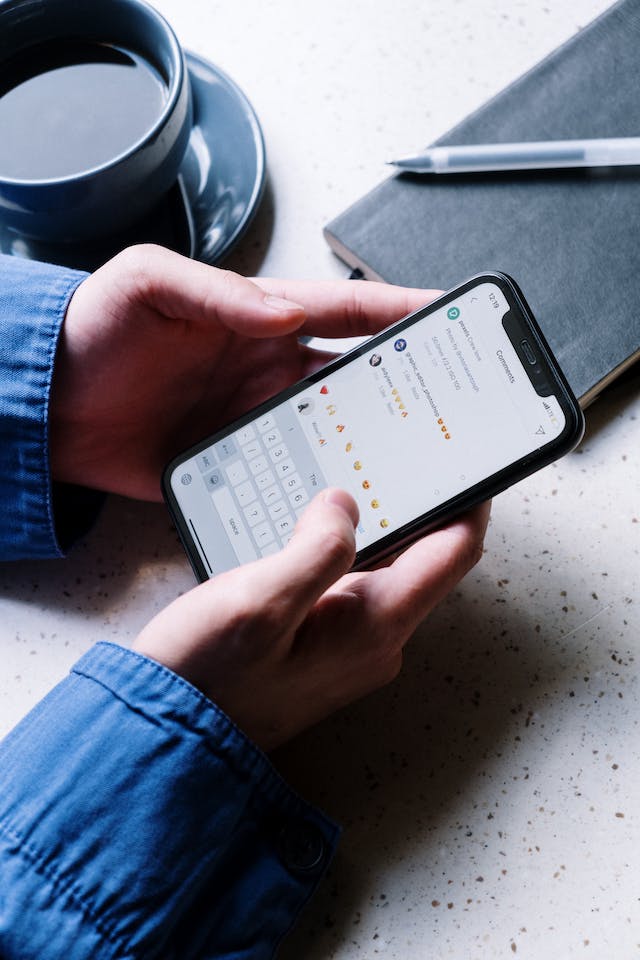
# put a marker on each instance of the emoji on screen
(349, 447)
(384, 523)
(375, 504)
(324, 390)
(357, 465)
(340, 427)
(366, 485)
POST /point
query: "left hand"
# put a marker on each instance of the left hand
(157, 351)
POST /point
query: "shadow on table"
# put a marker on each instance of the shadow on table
(248, 256)
(131, 543)
(395, 768)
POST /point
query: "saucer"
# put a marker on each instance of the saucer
(214, 199)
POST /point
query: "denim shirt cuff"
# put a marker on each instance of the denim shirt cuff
(157, 828)
(33, 302)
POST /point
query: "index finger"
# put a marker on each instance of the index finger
(402, 594)
(348, 308)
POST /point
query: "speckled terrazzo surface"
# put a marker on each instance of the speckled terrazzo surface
(490, 797)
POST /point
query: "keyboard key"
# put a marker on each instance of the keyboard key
(254, 513)
(266, 423)
(271, 495)
(279, 452)
(258, 465)
(226, 448)
(237, 472)
(245, 493)
(263, 534)
(278, 509)
(252, 449)
(284, 468)
(285, 525)
(292, 483)
(264, 480)
(214, 480)
(244, 434)
(298, 498)
(234, 525)
(206, 460)
(271, 438)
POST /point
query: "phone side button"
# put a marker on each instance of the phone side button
(234, 526)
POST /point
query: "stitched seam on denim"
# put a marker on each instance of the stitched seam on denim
(260, 759)
(64, 297)
(65, 886)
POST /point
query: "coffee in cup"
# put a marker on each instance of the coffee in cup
(95, 116)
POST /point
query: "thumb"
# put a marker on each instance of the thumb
(321, 551)
(185, 289)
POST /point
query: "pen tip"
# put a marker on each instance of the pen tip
(414, 164)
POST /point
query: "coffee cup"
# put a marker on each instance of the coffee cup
(95, 116)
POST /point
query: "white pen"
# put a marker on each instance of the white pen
(537, 155)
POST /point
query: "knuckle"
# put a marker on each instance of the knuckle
(225, 292)
(251, 622)
(464, 550)
(228, 285)
(138, 258)
(339, 549)
(139, 264)
(471, 551)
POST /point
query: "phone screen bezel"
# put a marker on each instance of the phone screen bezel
(488, 487)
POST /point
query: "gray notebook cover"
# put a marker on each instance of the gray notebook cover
(571, 239)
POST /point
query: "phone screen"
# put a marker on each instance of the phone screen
(414, 418)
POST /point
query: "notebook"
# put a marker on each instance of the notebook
(571, 239)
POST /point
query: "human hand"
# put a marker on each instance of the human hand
(157, 351)
(282, 642)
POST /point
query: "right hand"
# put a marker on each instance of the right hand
(282, 642)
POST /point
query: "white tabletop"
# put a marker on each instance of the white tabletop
(490, 796)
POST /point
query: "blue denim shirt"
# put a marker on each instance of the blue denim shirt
(136, 820)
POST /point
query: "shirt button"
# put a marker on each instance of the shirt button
(302, 847)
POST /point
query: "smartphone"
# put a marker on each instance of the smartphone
(439, 411)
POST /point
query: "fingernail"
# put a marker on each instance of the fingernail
(282, 305)
(340, 498)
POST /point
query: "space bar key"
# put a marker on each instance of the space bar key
(234, 526)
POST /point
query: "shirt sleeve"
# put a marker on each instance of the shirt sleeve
(37, 518)
(136, 821)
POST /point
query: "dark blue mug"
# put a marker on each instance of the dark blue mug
(110, 139)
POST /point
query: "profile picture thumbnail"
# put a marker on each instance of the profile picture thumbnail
(400, 345)
(375, 359)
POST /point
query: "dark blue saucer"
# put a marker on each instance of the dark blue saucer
(217, 193)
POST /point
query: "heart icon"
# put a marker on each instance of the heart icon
(324, 390)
